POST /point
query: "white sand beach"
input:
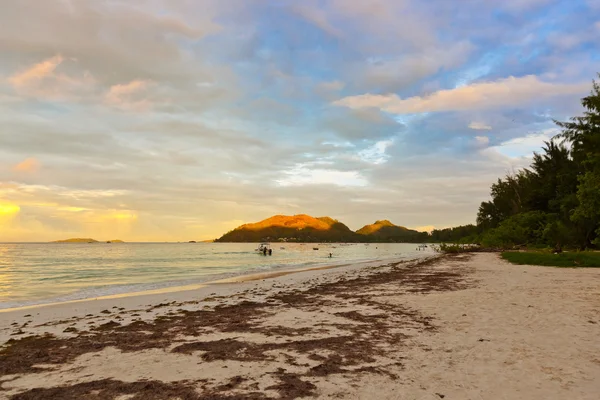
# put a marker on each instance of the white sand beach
(454, 327)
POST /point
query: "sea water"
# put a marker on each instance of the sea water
(37, 273)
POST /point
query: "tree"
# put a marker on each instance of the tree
(583, 133)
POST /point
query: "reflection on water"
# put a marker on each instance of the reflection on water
(38, 273)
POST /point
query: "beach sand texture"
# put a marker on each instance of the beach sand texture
(453, 327)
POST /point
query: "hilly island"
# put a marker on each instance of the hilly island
(85, 240)
(304, 228)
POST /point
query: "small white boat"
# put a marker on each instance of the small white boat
(263, 247)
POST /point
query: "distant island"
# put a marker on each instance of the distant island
(304, 228)
(85, 240)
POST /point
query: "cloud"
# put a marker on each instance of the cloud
(525, 146)
(42, 80)
(302, 175)
(333, 86)
(317, 17)
(392, 74)
(524, 5)
(505, 92)
(376, 153)
(130, 96)
(482, 141)
(479, 126)
(28, 165)
(36, 73)
(359, 124)
(379, 23)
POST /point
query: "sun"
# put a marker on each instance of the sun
(9, 209)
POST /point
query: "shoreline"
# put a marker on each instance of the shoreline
(232, 277)
(226, 288)
(454, 326)
(190, 278)
(191, 287)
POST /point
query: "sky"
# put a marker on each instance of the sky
(169, 120)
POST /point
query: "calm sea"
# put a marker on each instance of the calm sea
(36, 273)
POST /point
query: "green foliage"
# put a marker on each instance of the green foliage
(337, 232)
(518, 230)
(556, 202)
(460, 234)
(570, 259)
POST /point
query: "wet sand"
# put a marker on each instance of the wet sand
(455, 327)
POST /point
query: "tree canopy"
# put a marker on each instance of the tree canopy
(556, 201)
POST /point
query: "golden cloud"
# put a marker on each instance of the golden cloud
(36, 73)
(27, 165)
(129, 96)
(42, 80)
(482, 95)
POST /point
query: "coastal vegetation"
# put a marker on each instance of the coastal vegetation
(566, 259)
(555, 202)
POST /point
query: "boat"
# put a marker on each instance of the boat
(315, 248)
(263, 247)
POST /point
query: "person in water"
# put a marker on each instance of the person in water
(270, 251)
(330, 255)
(264, 251)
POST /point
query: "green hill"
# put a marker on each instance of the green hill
(296, 228)
(385, 231)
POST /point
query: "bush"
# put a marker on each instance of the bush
(518, 230)
(570, 259)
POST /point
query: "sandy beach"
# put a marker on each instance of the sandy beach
(451, 327)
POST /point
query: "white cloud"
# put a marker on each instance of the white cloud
(525, 146)
(302, 175)
(479, 126)
(376, 153)
(504, 92)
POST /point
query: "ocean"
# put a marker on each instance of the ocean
(38, 273)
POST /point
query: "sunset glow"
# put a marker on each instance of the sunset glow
(180, 120)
